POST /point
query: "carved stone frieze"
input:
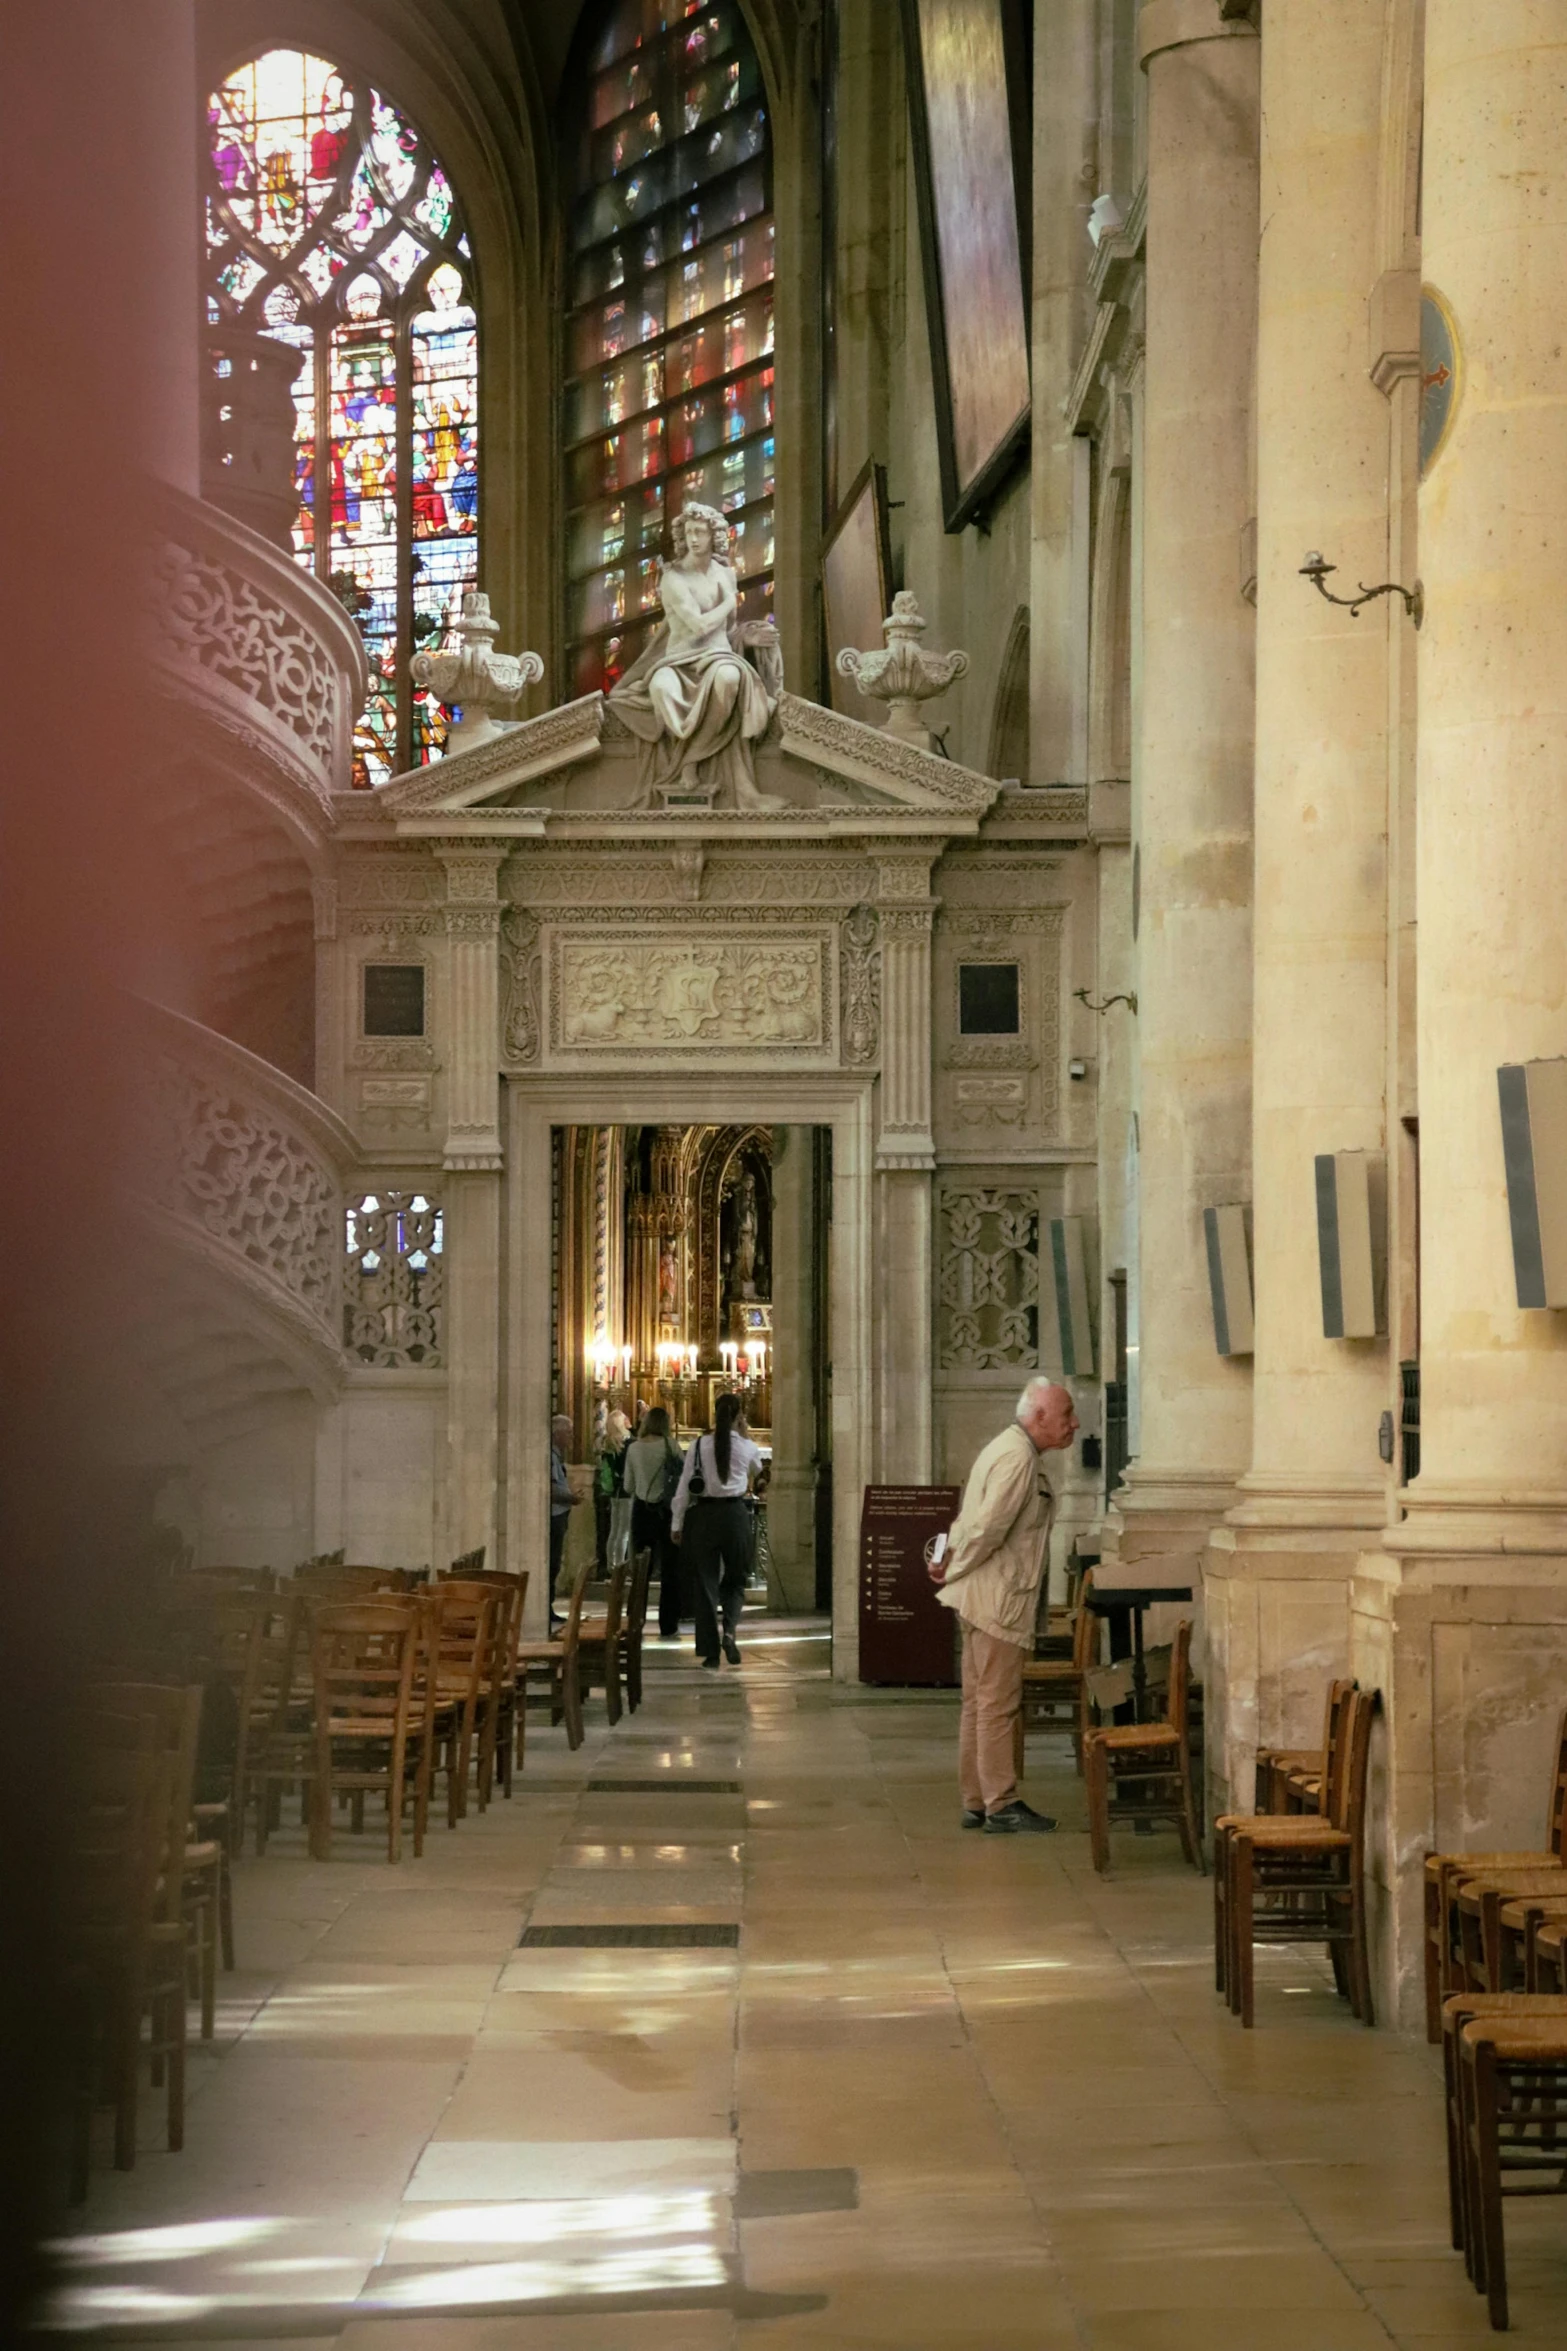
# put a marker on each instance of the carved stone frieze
(391, 878)
(520, 963)
(982, 1101)
(394, 1105)
(393, 1053)
(392, 926)
(848, 746)
(966, 880)
(471, 922)
(595, 880)
(859, 986)
(907, 922)
(679, 991)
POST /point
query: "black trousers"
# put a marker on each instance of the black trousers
(560, 1520)
(716, 1540)
(650, 1532)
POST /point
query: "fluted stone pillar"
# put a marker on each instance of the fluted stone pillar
(905, 1156)
(470, 1037)
(1278, 1573)
(1462, 1618)
(1191, 779)
(791, 1495)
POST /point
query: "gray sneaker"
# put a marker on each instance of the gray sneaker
(1015, 1817)
(972, 1820)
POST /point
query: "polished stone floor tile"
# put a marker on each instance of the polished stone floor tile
(948, 2093)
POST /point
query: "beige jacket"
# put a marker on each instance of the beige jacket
(1000, 1540)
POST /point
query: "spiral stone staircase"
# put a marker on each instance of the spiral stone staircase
(239, 1170)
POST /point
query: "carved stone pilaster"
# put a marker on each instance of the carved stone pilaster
(905, 910)
(473, 921)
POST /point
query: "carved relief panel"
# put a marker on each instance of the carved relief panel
(667, 991)
(997, 1004)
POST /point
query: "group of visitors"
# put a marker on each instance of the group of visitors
(692, 1512)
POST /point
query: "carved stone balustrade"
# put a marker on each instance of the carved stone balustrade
(239, 632)
(241, 1174)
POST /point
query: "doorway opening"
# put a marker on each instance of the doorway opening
(690, 1261)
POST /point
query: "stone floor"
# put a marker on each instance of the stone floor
(949, 2093)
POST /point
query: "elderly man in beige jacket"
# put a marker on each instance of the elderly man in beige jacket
(990, 1578)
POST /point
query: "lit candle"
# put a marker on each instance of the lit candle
(691, 1363)
(729, 1351)
(759, 1357)
(625, 1364)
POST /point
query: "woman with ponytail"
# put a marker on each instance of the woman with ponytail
(712, 1524)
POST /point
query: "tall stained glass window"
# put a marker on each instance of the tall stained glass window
(669, 331)
(331, 226)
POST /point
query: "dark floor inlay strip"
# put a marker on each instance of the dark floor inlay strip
(774, 2195)
(630, 1938)
(666, 1785)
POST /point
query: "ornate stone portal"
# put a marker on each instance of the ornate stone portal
(601, 954)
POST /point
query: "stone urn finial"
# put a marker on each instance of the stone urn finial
(902, 675)
(471, 675)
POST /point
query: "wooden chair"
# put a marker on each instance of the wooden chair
(468, 1563)
(1460, 2009)
(1548, 1955)
(1441, 1870)
(557, 1663)
(276, 1745)
(1489, 1958)
(119, 1777)
(362, 1664)
(1055, 1689)
(1299, 1877)
(1512, 2070)
(1154, 1759)
(195, 1879)
(466, 1611)
(498, 1732)
(636, 1625)
(601, 1650)
(1288, 1777)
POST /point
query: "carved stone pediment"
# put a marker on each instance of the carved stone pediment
(576, 771)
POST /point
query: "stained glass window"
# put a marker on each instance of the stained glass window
(669, 331)
(331, 226)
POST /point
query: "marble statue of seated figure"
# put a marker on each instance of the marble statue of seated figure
(694, 698)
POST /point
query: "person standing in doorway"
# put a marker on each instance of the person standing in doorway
(990, 1578)
(711, 1522)
(652, 1470)
(562, 1499)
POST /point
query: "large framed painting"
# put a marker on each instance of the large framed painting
(857, 581)
(964, 109)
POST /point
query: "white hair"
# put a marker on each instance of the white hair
(1031, 1394)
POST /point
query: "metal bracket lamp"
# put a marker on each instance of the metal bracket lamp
(1316, 569)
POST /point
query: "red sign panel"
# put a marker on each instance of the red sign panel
(906, 1636)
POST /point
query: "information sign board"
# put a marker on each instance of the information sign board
(906, 1636)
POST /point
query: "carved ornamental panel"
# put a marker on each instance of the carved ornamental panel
(988, 1295)
(730, 993)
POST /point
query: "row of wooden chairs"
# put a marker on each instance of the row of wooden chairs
(1299, 1877)
(1477, 1905)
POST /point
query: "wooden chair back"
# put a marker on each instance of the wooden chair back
(1347, 1793)
(1085, 1626)
(1178, 1699)
(175, 1715)
(468, 1563)
(1556, 1807)
(361, 1664)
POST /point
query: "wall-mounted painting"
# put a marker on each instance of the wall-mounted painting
(964, 120)
(857, 581)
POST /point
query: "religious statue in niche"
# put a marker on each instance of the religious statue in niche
(701, 697)
(668, 1281)
(743, 1218)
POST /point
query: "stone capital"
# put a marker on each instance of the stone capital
(472, 922)
(473, 870)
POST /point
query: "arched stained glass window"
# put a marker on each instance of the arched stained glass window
(331, 226)
(669, 330)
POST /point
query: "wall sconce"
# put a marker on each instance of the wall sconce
(1316, 569)
(1083, 997)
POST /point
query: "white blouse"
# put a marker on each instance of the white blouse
(744, 1458)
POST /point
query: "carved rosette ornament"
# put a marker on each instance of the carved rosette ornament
(471, 676)
(902, 674)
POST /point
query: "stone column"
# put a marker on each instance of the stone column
(1191, 778)
(905, 1156)
(1278, 1573)
(470, 1041)
(1462, 1620)
(791, 1498)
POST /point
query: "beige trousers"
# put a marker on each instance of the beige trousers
(992, 1694)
